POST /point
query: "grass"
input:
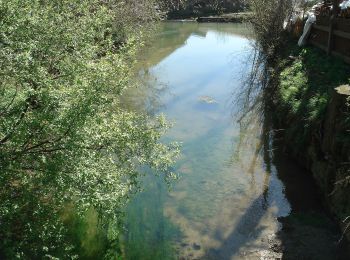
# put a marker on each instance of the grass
(306, 79)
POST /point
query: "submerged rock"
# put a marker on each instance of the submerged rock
(207, 100)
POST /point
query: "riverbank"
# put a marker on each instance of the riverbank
(313, 118)
(224, 18)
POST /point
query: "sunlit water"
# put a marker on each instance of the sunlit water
(228, 198)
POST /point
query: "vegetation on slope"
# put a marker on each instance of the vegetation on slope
(65, 142)
(305, 89)
(315, 120)
(299, 85)
(300, 80)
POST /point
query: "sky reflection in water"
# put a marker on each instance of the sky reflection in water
(229, 196)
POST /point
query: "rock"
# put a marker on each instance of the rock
(207, 100)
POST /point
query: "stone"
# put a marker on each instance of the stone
(207, 100)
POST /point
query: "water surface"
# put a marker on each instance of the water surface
(228, 198)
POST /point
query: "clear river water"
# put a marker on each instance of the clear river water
(234, 190)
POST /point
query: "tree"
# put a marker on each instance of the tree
(64, 139)
(268, 21)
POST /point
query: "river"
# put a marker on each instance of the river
(235, 188)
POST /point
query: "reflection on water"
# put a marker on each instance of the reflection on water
(230, 192)
(220, 208)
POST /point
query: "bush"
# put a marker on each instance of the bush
(64, 139)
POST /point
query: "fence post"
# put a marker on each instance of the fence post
(331, 26)
(336, 8)
(330, 36)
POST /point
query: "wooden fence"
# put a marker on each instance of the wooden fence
(332, 34)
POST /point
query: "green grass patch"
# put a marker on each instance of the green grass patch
(306, 80)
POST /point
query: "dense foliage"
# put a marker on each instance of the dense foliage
(64, 139)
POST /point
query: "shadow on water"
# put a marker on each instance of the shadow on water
(309, 231)
(247, 229)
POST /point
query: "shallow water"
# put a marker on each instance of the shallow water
(230, 192)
